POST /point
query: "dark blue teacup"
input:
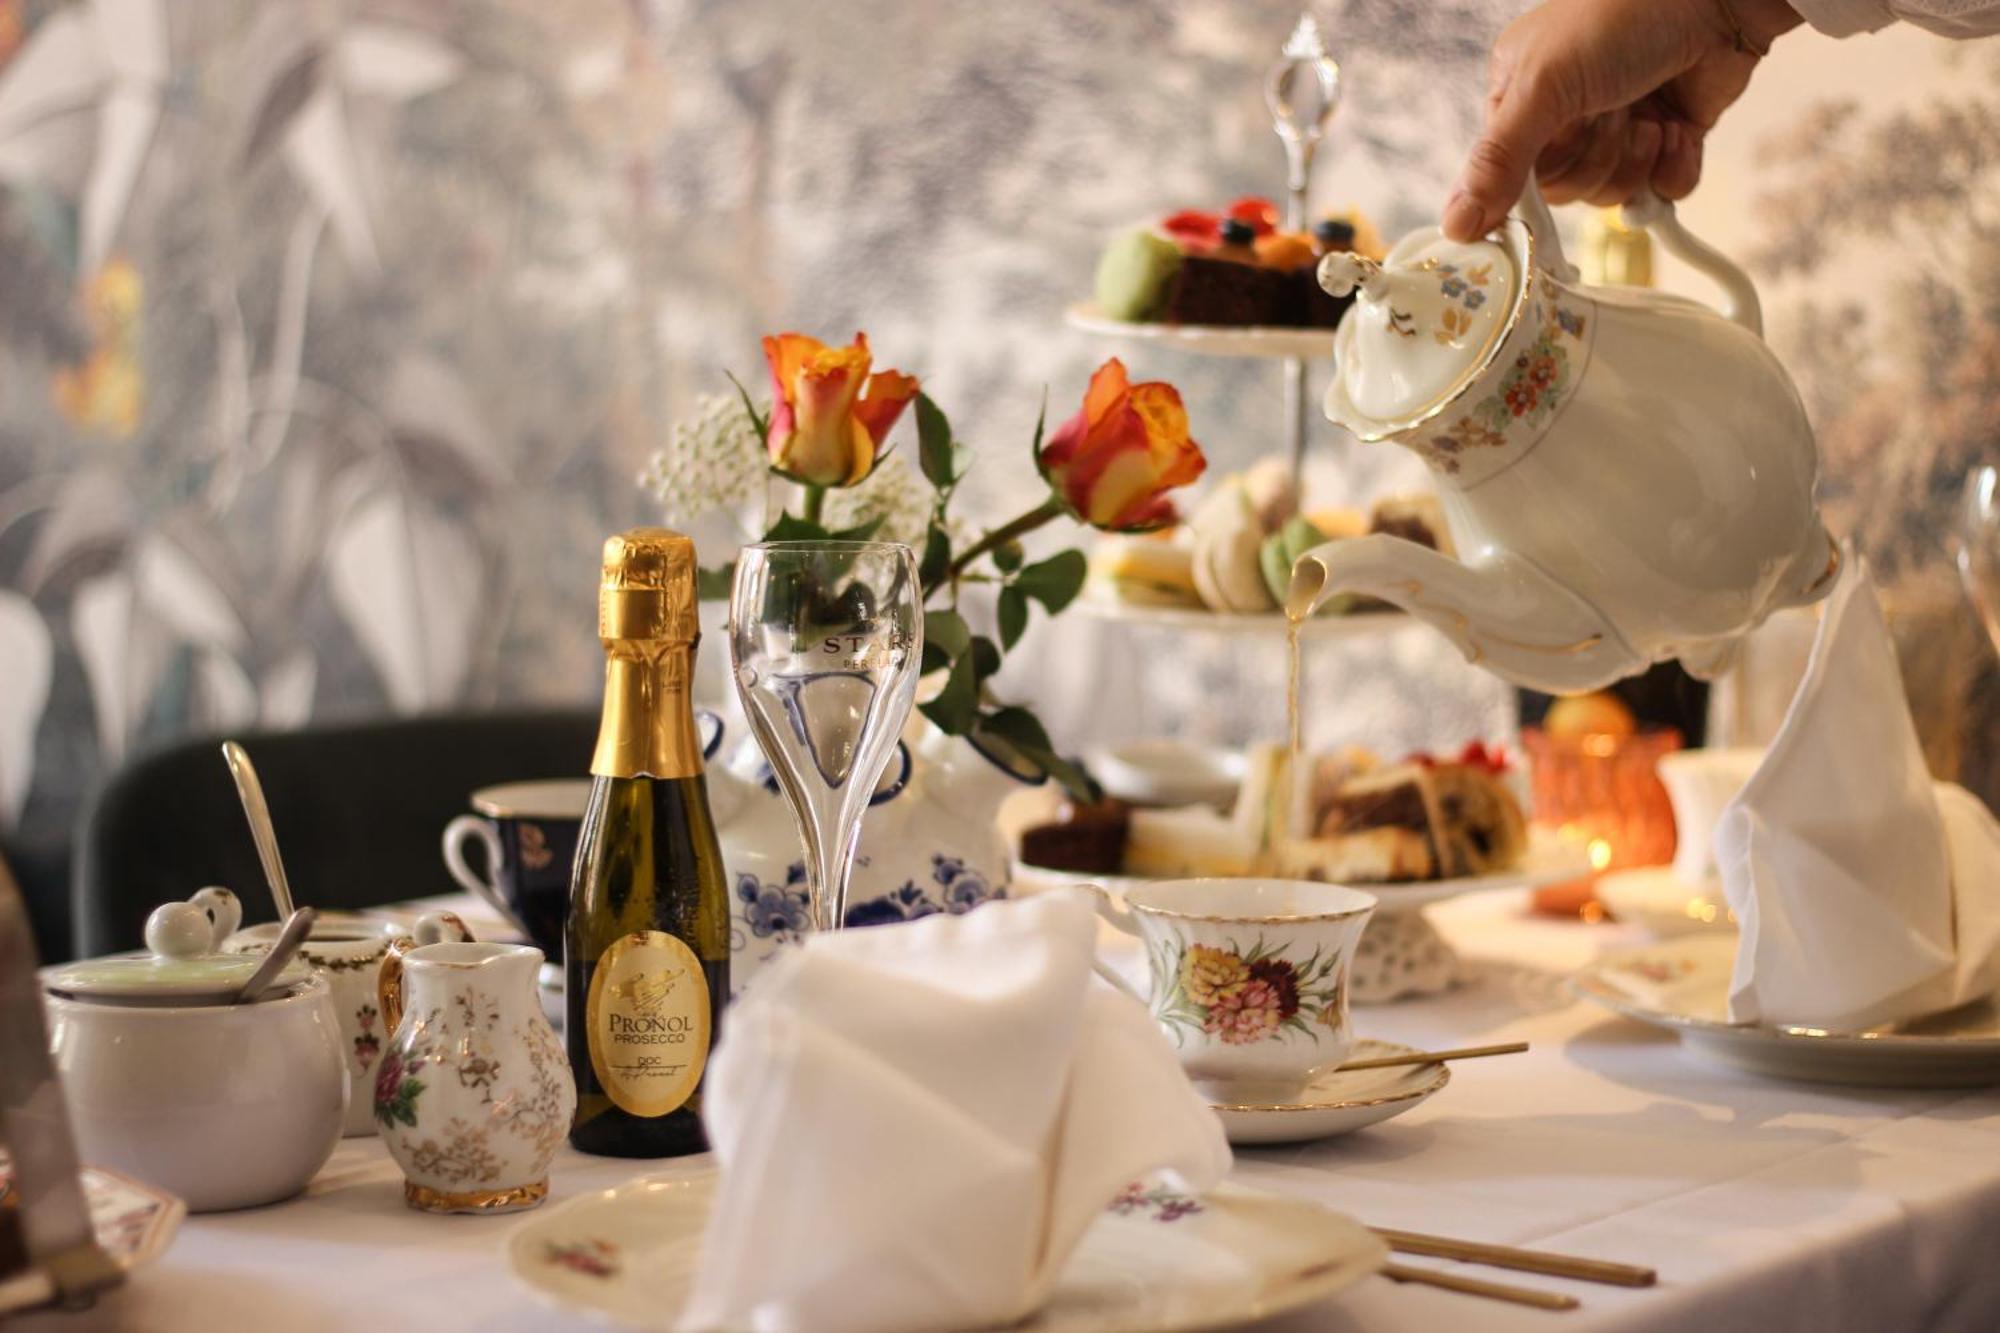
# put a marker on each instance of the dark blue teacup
(528, 831)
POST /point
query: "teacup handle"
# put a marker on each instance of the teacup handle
(456, 834)
(1121, 918)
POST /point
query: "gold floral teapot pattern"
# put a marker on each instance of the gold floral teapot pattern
(1628, 475)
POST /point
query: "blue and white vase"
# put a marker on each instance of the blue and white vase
(928, 845)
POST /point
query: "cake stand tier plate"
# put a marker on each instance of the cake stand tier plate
(1190, 619)
(1682, 986)
(1207, 339)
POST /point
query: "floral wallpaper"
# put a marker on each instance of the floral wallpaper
(336, 334)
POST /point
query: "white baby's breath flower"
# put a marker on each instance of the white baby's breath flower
(894, 492)
(713, 460)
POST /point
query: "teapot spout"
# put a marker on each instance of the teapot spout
(1503, 613)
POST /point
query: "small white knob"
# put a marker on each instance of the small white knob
(1343, 271)
(179, 930)
(225, 912)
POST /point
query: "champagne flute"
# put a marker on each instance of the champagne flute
(825, 638)
(1979, 546)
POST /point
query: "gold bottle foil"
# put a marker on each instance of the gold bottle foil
(647, 620)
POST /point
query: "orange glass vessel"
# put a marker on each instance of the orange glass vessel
(1604, 792)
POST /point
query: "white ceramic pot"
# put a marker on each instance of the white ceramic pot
(226, 1106)
(347, 952)
(473, 1093)
(929, 844)
(1249, 976)
(1627, 475)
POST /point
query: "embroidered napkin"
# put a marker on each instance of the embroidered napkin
(916, 1123)
(1866, 893)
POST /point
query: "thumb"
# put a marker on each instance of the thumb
(1528, 112)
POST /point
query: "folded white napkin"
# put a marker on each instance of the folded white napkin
(917, 1122)
(1866, 893)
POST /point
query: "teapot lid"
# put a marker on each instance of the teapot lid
(181, 969)
(1425, 323)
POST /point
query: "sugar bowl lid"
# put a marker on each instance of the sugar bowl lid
(183, 966)
(1425, 323)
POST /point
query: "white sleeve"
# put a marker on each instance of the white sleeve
(1948, 18)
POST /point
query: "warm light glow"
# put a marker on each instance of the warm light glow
(1600, 854)
(1600, 745)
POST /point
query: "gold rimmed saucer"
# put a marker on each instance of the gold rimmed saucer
(1338, 1101)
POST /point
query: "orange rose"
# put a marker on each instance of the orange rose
(828, 414)
(1114, 461)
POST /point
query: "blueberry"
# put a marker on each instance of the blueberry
(1333, 231)
(1235, 231)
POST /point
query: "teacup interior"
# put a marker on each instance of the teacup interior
(1249, 899)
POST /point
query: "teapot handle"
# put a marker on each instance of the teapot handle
(1534, 211)
(431, 928)
(1739, 294)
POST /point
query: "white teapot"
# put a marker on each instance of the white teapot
(1627, 475)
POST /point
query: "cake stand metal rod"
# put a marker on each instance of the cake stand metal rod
(1301, 88)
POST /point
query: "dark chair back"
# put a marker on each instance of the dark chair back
(359, 811)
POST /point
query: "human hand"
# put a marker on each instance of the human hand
(1601, 97)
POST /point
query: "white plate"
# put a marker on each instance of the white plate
(1338, 1103)
(1683, 986)
(1168, 772)
(1207, 339)
(1658, 900)
(1547, 862)
(1101, 607)
(1155, 1262)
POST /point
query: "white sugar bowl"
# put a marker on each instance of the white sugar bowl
(168, 1080)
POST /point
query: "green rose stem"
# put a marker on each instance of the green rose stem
(815, 502)
(1051, 508)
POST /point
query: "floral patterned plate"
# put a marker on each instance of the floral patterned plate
(134, 1222)
(1206, 339)
(1337, 1102)
(1155, 1262)
(1683, 986)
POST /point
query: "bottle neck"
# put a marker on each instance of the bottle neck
(648, 728)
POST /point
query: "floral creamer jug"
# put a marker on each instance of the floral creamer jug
(1627, 475)
(473, 1094)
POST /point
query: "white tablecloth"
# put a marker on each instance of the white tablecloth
(1764, 1205)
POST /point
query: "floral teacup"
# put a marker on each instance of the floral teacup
(1249, 976)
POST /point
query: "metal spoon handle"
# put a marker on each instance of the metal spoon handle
(251, 792)
(285, 948)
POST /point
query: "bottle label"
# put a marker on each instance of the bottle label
(648, 1022)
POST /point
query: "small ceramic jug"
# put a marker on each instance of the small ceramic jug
(347, 950)
(473, 1094)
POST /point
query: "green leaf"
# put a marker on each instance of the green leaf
(1041, 421)
(936, 454)
(1007, 557)
(937, 557)
(1013, 609)
(948, 630)
(1056, 581)
(860, 532)
(791, 528)
(714, 585)
(956, 706)
(1019, 739)
(1016, 725)
(758, 419)
(985, 655)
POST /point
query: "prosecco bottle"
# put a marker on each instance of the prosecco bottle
(646, 952)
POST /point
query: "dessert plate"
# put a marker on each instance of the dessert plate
(1194, 618)
(1206, 339)
(1659, 900)
(1155, 1262)
(134, 1223)
(1683, 986)
(1336, 1102)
